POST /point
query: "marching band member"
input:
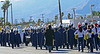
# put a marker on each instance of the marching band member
(95, 30)
(75, 40)
(80, 32)
(32, 32)
(57, 37)
(12, 38)
(8, 38)
(90, 40)
(25, 37)
(61, 30)
(98, 33)
(17, 39)
(70, 37)
(40, 37)
(4, 38)
(1, 36)
(85, 28)
(66, 36)
(35, 40)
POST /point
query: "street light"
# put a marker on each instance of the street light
(74, 14)
(91, 11)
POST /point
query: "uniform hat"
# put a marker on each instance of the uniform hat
(79, 25)
(66, 25)
(91, 23)
(85, 21)
(96, 24)
(83, 24)
(89, 26)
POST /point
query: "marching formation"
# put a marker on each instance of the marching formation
(86, 35)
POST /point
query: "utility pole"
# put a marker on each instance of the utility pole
(60, 12)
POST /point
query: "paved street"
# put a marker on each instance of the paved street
(32, 50)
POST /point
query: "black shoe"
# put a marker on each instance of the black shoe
(49, 51)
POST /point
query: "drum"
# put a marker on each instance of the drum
(27, 38)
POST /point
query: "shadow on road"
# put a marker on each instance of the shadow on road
(92, 53)
(59, 52)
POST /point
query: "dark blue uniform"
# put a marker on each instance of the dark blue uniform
(4, 39)
(35, 39)
(12, 39)
(17, 39)
(32, 37)
(66, 38)
(1, 38)
(40, 39)
(71, 37)
(25, 41)
(62, 36)
(8, 39)
(57, 39)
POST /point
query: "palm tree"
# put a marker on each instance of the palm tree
(8, 4)
(62, 14)
(68, 15)
(2, 20)
(4, 7)
(56, 17)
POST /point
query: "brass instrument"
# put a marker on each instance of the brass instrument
(76, 36)
(99, 35)
(86, 36)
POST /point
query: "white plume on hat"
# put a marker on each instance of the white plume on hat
(79, 23)
(98, 22)
(70, 24)
(91, 23)
(85, 21)
(66, 25)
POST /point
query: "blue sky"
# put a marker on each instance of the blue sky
(26, 8)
